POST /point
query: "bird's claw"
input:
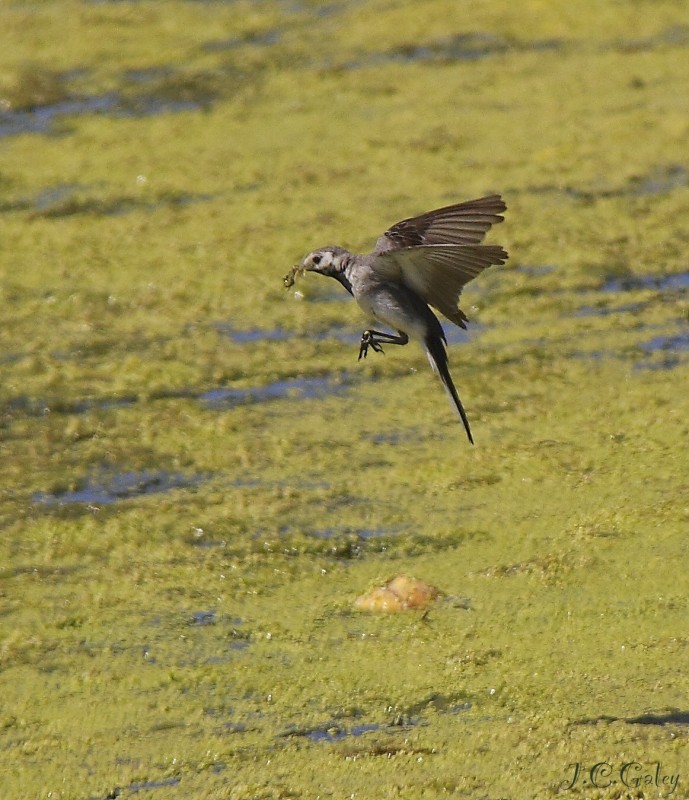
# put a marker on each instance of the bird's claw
(367, 341)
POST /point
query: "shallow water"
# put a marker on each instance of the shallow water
(104, 488)
(304, 388)
(198, 477)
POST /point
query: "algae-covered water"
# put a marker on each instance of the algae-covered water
(198, 478)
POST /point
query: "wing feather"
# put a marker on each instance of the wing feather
(459, 224)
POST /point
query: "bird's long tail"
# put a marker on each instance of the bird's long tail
(437, 356)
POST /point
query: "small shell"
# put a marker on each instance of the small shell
(379, 599)
(401, 593)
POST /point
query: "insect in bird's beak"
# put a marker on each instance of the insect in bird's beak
(289, 279)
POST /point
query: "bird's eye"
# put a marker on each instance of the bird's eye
(316, 259)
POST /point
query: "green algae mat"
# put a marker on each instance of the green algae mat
(197, 478)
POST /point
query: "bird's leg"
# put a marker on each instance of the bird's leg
(375, 339)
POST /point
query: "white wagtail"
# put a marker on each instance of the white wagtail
(421, 261)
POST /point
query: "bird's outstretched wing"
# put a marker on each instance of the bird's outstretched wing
(438, 253)
(462, 223)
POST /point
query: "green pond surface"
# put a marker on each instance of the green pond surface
(197, 477)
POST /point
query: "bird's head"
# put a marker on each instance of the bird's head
(327, 261)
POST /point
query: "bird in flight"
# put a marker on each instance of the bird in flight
(419, 262)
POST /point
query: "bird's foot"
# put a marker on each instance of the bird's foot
(368, 340)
